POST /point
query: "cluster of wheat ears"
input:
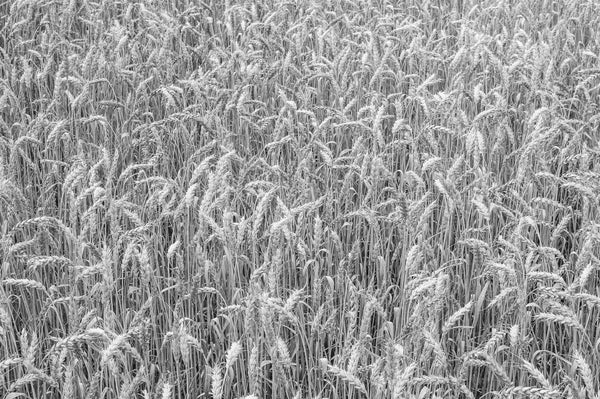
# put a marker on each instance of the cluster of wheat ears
(299, 199)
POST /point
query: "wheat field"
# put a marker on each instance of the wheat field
(300, 199)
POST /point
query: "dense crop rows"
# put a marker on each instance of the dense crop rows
(300, 199)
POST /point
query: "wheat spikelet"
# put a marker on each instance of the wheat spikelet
(186, 342)
(261, 212)
(217, 382)
(475, 145)
(440, 362)
(431, 163)
(456, 316)
(561, 227)
(275, 271)
(32, 376)
(28, 348)
(585, 275)
(46, 261)
(536, 374)
(559, 319)
(267, 323)
(173, 248)
(495, 367)
(292, 301)
(441, 187)
(423, 288)
(282, 350)
(94, 385)
(46, 222)
(379, 139)
(515, 335)
(167, 390)
(527, 392)
(68, 391)
(591, 300)
(414, 258)
(128, 388)
(549, 276)
(118, 347)
(441, 291)
(27, 379)
(254, 370)
(24, 283)
(496, 338)
(16, 361)
(346, 376)
(585, 372)
(355, 355)
(558, 308)
(430, 380)
(505, 293)
(402, 379)
(473, 362)
(424, 218)
(232, 355)
(366, 319)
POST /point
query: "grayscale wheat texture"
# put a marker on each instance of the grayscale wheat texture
(299, 199)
